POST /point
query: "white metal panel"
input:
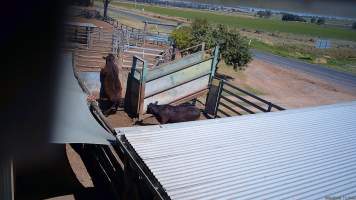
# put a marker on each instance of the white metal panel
(177, 78)
(296, 154)
(178, 92)
(174, 65)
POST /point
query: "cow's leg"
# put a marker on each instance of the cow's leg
(194, 102)
(163, 120)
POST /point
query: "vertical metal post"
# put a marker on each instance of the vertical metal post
(269, 107)
(144, 71)
(88, 36)
(144, 36)
(6, 180)
(100, 33)
(214, 63)
(221, 85)
(142, 88)
(115, 41)
(145, 27)
(203, 46)
(133, 67)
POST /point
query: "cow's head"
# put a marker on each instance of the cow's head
(110, 58)
(153, 108)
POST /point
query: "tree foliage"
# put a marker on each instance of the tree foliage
(235, 50)
(182, 37)
(83, 2)
(234, 47)
(320, 21)
(291, 17)
(354, 25)
(200, 31)
(264, 13)
(313, 20)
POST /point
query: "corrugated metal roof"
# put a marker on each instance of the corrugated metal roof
(296, 154)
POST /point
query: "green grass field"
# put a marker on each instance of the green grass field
(347, 65)
(270, 25)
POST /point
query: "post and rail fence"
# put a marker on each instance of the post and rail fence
(226, 100)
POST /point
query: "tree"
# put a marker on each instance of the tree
(268, 13)
(106, 5)
(291, 17)
(83, 2)
(236, 51)
(217, 36)
(354, 25)
(320, 21)
(265, 13)
(182, 37)
(200, 30)
(313, 20)
(234, 47)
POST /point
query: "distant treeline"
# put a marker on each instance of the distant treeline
(82, 2)
(184, 4)
(264, 13)
(313, 20)
(291, 17)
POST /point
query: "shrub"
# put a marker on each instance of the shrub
(200, 30)
(217, 36)
(313, 20)
(291, 17)
(265, 13)
(320, 21)
(236, 50)
(354, 25)
(234, 47)
(182, 37)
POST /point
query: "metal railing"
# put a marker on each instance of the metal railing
(232, 100)
(170, 54)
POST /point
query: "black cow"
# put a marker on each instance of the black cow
(173, 114)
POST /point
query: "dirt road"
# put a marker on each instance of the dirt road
(347, 81)
(292, 88)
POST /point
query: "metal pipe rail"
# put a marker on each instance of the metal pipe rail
(246, 101)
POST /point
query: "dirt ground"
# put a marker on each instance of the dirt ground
(291, 89)
(96, 22)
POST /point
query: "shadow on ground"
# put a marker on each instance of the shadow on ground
(52, 176)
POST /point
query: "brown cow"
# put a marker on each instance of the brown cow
(111, 88)
(173, 114)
